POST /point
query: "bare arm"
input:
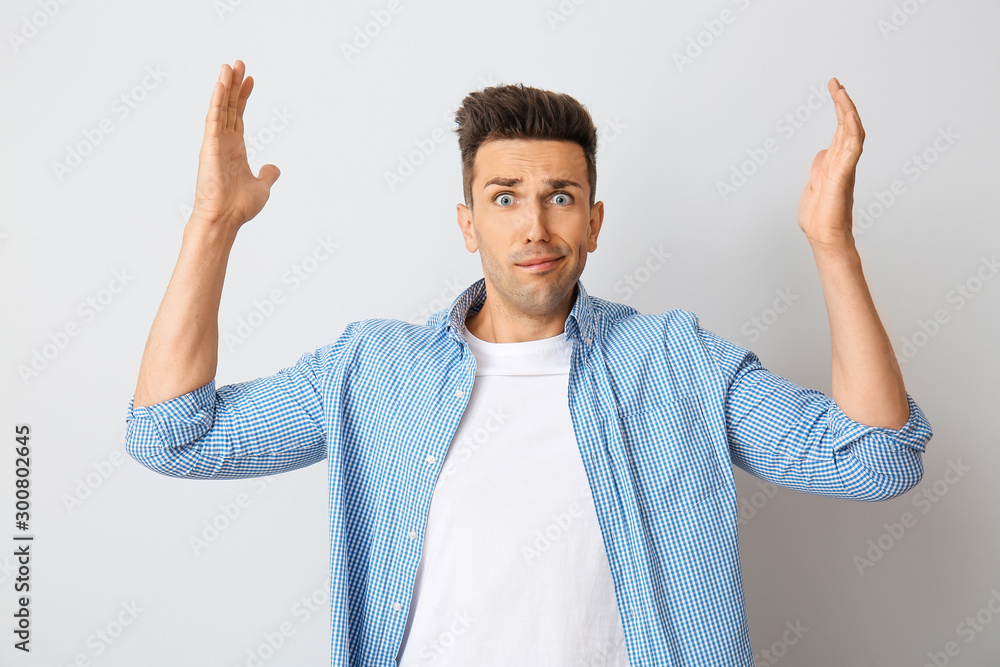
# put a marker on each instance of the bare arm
(867, 382)
(182, 350)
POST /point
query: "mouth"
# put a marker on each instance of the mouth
(540, 263)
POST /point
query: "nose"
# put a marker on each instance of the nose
(534, 223)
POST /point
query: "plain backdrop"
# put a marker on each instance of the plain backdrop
(709, 121)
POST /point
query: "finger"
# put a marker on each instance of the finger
(817, 164)
(234, 92)
(850, 133)
(242, 104)
(244, 94)
(216, 107)
(853, 117)
(816, 170)
(269, 174)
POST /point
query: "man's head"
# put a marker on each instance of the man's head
(522, 112)
(530, 175)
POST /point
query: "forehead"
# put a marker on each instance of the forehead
(530, 158)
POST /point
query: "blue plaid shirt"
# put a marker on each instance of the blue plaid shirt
(661, 408)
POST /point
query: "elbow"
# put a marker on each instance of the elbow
(896, 476)
(172, 444)
(151, 455)
(143, 442)
(145, 445)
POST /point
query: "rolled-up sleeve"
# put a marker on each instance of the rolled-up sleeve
(801, 439)
(265, 426)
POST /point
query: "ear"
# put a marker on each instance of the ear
(465, 224)
(596, 220)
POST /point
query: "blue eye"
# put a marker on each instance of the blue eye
(562, 198)
(500, 199)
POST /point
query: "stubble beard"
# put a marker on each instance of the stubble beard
(518, 298)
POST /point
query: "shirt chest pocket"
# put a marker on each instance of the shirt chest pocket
(671, 455)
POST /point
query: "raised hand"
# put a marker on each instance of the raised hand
(227, 192)
(825, 210)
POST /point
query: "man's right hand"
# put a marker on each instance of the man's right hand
(182, 350)
(227, 192)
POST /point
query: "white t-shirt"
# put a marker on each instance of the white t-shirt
(513, 569)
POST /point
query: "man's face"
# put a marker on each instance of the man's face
(531, 202)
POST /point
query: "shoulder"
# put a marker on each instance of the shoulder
(624, 325)
(381, 347)
(393, 333)
(675, 335)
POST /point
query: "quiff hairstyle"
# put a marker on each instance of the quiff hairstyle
(521, 112)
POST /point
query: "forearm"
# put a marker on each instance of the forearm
(867, 381)
(182, 349)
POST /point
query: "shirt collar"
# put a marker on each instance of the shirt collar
(579, 323)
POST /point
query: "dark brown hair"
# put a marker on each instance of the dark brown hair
(521, 112)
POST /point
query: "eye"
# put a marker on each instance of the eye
(504, 199)
(562, 198)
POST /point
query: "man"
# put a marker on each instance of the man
(535, 476)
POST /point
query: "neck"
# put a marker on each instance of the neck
(496, 323)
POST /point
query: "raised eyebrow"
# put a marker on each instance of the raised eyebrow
(500, 180)
(555, 184)
(561, 183)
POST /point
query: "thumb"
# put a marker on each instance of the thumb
(269, 174)
(817, 163)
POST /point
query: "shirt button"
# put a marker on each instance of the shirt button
(459, 393)
(412, 534)
(431, 458)
(586, 339)
(396, 606)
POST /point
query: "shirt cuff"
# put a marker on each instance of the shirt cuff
(915, 433)
(176, 421)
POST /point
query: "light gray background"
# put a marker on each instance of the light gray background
(672, 133)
